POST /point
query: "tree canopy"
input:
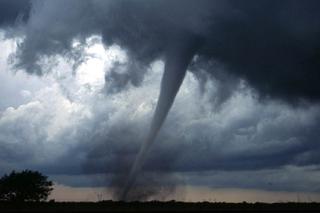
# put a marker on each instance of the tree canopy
(26, 185)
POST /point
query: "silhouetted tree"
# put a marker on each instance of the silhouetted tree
(25, 186)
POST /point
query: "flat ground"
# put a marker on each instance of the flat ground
(155, 206)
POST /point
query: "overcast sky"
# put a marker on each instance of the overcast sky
(80, 81)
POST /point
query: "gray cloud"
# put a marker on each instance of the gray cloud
(13, 12)
(123, 74)
(289, 178)
(276, 54)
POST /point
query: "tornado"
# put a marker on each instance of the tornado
(177, 58)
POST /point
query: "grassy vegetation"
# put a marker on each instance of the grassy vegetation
(111, 206)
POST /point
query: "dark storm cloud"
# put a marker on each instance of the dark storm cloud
(12, 12)
(273, 45)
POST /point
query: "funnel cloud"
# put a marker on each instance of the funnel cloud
(178, 57)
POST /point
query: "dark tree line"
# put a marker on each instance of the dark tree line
(25, 186)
